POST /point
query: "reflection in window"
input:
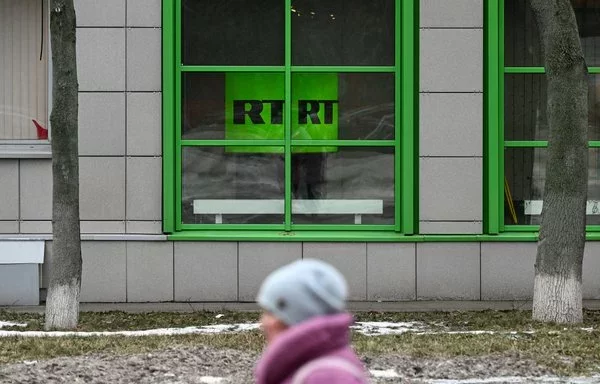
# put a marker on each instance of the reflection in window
(233, 32)
(343, 185)
(325, 106)
(343, 32)
(525, 178)
(219, 181)
(587, 13)
(522, 43)
(525, 107)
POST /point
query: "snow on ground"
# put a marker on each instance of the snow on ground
(365, 328)
(4, 324)
(207, 329)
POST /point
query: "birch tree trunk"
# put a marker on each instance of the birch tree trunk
(557, 290)
(62, 304)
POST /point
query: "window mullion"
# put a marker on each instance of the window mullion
(288, 115)
(178, 80)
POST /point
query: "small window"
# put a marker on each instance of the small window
(24, 71)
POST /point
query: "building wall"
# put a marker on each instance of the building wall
(143, 271)
(119, 68)
(451, 117)
(127, 259)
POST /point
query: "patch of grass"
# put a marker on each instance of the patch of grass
(121, 321)
(565, 349)
(571, 352)
(476, 320)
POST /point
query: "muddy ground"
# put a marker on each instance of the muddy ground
(205, 365)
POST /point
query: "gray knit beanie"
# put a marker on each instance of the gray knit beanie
(302, 290)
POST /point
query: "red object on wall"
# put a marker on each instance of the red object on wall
(42, 133)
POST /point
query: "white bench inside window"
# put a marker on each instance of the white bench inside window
(301, 207)
(534, 207)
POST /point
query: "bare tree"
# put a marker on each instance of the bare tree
(62, 305)
(557, 292)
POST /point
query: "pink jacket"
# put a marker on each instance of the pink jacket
(316, 338)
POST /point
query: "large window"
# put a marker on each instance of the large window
(23, 71)
(520, 123)
(289, 115)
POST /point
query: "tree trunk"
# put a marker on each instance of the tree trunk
(557, 292)
(62, 305)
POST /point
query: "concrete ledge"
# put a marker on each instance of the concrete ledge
(86, 237)
(404, 306)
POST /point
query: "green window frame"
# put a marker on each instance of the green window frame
(404, 143)
(495, 141)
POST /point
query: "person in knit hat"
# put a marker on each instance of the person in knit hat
(307, 327)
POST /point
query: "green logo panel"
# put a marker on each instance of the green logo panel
(254, 105)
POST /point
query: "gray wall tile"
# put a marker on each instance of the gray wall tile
(206, 271)
(144, 227)
(450, 227)
(257, 260)
(446, 132)
(9, 189)
(102, 188)
(9, 227)
(451, 13)
(144, 185)
(149, 271)
(448, 271)
(36, 226)
(103, 13)
(391, 272)
(591, 271)
(144, 13)
(102, 124)
(36, 189)
(507, 271)
(144, 124)
(451, 60)
(451, 189)
(102, 226)
(101, 59)
(103, 277)
(349, 258)
(19, 284)
(144, 59)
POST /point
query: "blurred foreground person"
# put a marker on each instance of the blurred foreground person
(307, 327)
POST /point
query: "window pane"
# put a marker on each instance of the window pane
(343, 185)
(525, 107)
(222, 185)
(522, 41)
(525, 170)
(348, 106)
(236, 106)
(249, 106)
(343, 32)
(522, 46)
(588, 21)
(233, 32)
(23, 73)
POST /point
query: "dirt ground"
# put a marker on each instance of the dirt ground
(204, 365)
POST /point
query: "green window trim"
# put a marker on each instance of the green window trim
(404, 144)
(494, 138)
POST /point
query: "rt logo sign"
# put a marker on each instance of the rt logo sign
(307, 109)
